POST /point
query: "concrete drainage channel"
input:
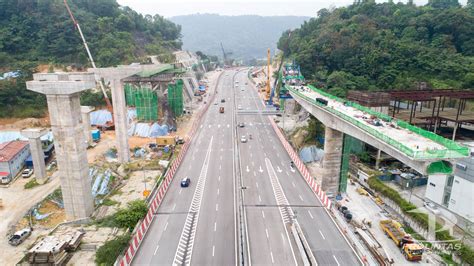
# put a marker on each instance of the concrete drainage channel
(186, 241)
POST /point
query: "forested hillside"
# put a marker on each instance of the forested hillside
(369, 46)
(34, 32)
(246, 37)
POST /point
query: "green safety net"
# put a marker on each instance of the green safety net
(146, 103)
(451, 150)
(129, 95)
(350, 146)
(175, 97)
(440, 167)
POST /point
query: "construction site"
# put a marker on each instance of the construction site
(413, 114)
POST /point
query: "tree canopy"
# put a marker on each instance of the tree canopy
(370, 46)
(42, 31)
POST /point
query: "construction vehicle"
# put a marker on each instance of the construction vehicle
(109, 124)
(408, 246)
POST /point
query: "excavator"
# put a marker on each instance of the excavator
(110, 124)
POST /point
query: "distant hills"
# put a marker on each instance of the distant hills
(246, 36)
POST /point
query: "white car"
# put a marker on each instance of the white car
(430, 206)
(27, 173)
(239, 107)
(243, 139)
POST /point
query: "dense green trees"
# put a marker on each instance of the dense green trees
(42, 31)
(369, 46)
(34, 32)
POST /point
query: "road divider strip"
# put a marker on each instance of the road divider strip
(142, 227)
(315, 187)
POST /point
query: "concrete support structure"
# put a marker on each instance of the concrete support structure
(37, 153)
(62, 92)
(377, 159)
(333, 142)
(86, 120)
(121, 121)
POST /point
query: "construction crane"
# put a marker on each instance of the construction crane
(279, 67)
(226, 59)
(268, 90)
(91, 59)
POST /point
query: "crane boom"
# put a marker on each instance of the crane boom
(267, 96)
(91, 59)
(224, 54)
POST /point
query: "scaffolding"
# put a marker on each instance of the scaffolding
(351, 146)
(144, 99)
(175, 97)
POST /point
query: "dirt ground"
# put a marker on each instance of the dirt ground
(22, 123)
(16, 202)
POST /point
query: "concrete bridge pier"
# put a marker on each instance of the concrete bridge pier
(120, 120)
(86, 121)
(63, 95)
(333, 142)
(37, 153)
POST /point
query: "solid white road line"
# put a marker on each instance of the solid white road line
(323, 237)
(310, 215)
(336, 260)
(156, 249)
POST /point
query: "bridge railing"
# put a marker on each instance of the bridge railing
(452, 150)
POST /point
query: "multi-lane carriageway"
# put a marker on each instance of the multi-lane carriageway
(242, 196)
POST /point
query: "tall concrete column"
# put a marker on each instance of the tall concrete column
(86, 121)
(377, 159)
(37, 153)
(121, 121)
(62, 92)
(333, 142)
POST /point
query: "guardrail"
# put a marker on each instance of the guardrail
(453, 150)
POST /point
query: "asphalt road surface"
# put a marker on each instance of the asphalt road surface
(198, 224)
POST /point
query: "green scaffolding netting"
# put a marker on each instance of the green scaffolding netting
(175, 97)
(440, 167)
(146, 103)
(129, 95)
(351, 145)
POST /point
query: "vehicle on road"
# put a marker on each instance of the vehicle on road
(27, 173)
(18, 237)
(215, 103)
(409, 248)
(431, 207)
(243, 139)
(322, 101)
(222, 100)
(221, 110)
(241, 124)
(239, 107)
(185, 182)
(279, 115)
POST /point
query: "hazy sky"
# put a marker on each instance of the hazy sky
(172, 8)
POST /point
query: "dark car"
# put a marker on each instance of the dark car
(241, 124)
(222, 100)
(185, 182)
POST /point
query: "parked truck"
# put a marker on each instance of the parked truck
(409, 248)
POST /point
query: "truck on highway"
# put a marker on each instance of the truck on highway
(409, 248)
(221, 110)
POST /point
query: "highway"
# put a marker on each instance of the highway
(199, 225)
